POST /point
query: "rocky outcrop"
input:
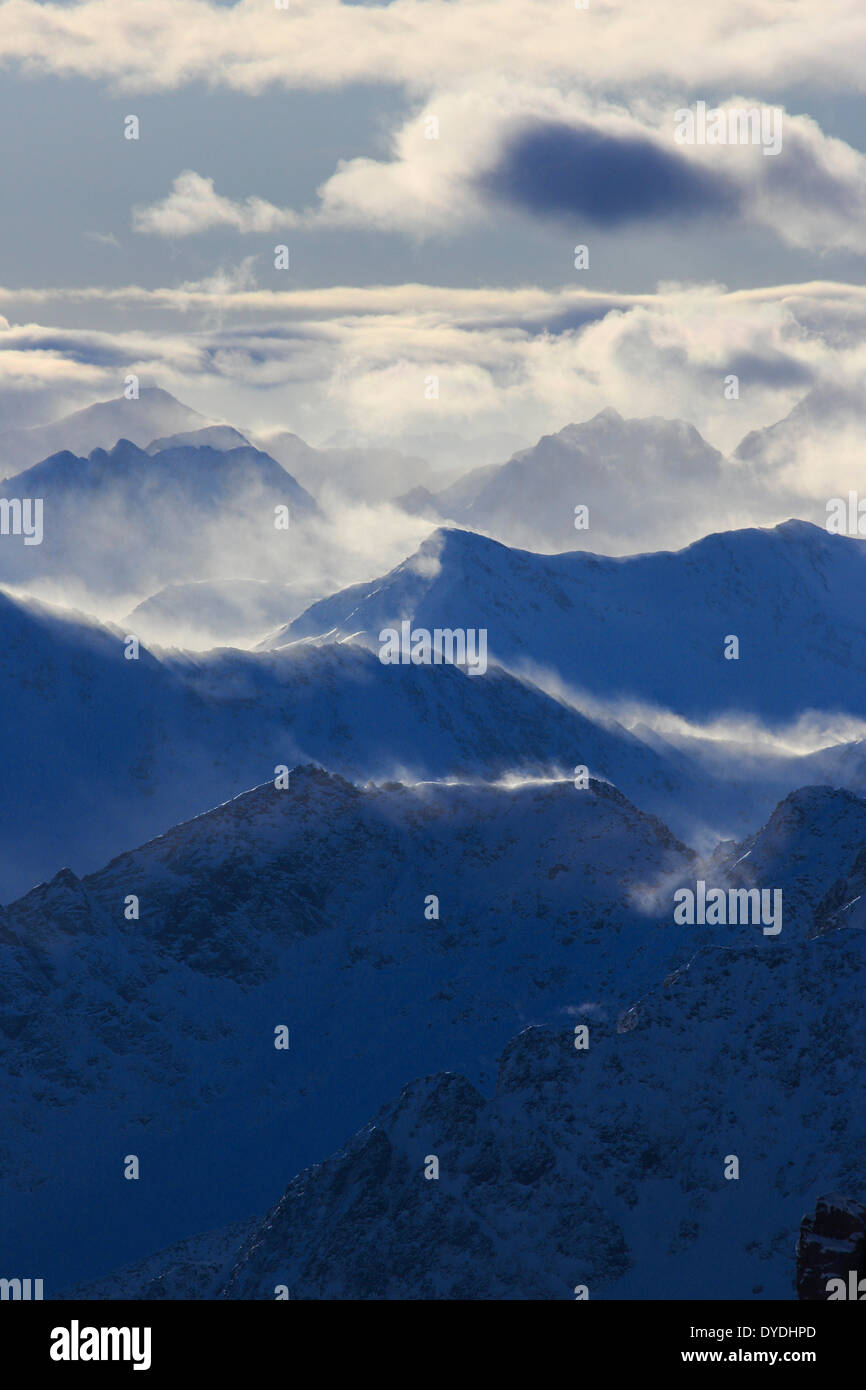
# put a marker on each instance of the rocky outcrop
(832, 1246)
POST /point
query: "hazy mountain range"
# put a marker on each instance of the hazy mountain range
(405, 866)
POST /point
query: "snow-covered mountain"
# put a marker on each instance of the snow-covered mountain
(223, 437)
(152, 414)
(644, 628)
(308, 906)
(416, 886)
(819, 442)
(354, 473)
(643, 482)
(126, 521)
(130, 747)
(203, 613)
(607, 1168)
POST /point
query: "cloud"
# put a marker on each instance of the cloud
(194, 206)
(553, 168)
(104, 238)
(357, 359)
(250, 45)
(538, 153)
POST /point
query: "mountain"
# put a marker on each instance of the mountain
(136, 746)
(307, 907)
(202, 614)
(356, 474)
(825, 411)
(133, 746)
(99, 426)
(603, 464)
(647, 629)
(447, 450)
(607, 1169)
(125, 521)
(812, 849)
(223, 437)
(383, 469)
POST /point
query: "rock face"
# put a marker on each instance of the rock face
(832, 1246)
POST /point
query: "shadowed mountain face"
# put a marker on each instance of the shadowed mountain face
(154, 413)
(646, 629)
(145, 743)
(124, 521)
(596, 1170)
(399, 932)
(392, 929)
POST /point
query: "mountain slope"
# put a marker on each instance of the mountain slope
(602, 464)
(124, 521)
(644, 628)
(131, 747)
(374, 474)
(99, 426)
(202, 614)
(602, 1168)
(304, 907)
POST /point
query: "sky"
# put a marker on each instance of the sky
(431, 166)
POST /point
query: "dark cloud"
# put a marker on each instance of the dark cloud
(76, 348)
(554, 169)
(772, 370)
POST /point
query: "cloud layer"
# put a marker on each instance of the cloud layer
(250, 45)
(537, 153)
(362, 360)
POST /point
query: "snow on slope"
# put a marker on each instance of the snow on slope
(306, 907)
(223, 437)
(303, 907)
(99, 426)
(603, 1168)
(606, 464)
(203, 614)
(129, 748)
(125, 521)
(644, 628)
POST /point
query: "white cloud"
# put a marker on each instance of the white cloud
(160, 44)
(316, 361)
(194, 206)
(812, 194)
